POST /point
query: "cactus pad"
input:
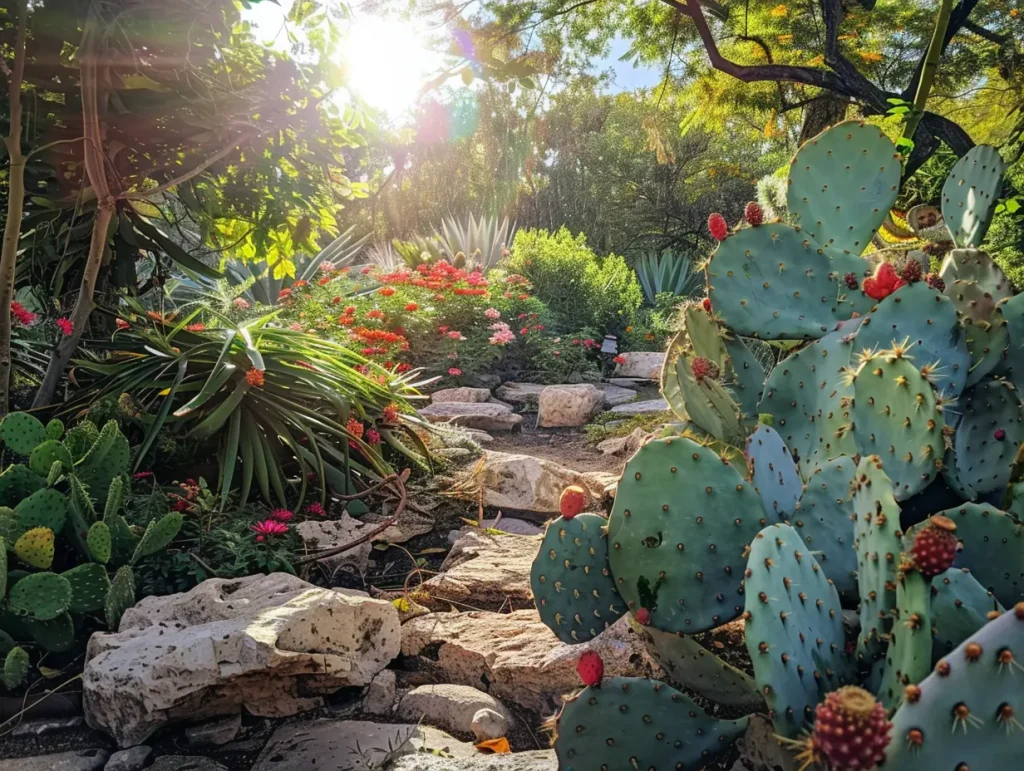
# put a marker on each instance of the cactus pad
(46, 454)
(108, 458)
(909, 656)
(40, 596)
(843, 183)
(747, 375)
(682, 520)
(960, 607)
(775, 475)
(824, 521)
(80, 439)
(962, 715)
(56, 635)
(970, 194)
(98, 541)
(159, 533)
(35, 547)
(773, 282)
(43, 508)
(15, 669)
(22, 432)
(987, 439)
(120, 596)
(89, 586)
(55, 429)
(992, 548)
(632, 723)
(571, 581)
(896, 417)
(794, 628)
(1012, 312)
(706, 402)
(17, 483)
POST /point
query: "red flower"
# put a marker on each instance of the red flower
(281, 515)
(590, 342)
(284, 294)
(350, 310)
(386, 291)
(372, 436)
(269, 527)
(316, 509)
(355, 428)
(299, 284)
(412, 307)
(21, 314)
(404, 367)
(883, 283)
(65, 326)
(122, 324)
(454, 371)
(620, 359)
(254, 377)
(324, 281)
(143, 475)
(390, 413)
(195, 327)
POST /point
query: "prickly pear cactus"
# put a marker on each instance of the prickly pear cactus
(120, 596)
(43, 508)
(909, 657)
(107, 458)
(15, 669)
(159, 533)
(40, 596)
(775, 475)
(992, 548)
(17, 482)
(971, 193)
(89, 587)
(44, 455)
(824, 521)
(55, 429)
(635, 723)
(677, 535)
(571, 581)
(22, 432)
(36, 548)
(960, 607)
(98, 541)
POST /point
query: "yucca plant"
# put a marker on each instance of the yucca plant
(481, 240)
(667, 272)
(285, 404)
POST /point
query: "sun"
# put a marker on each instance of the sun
(389, 61)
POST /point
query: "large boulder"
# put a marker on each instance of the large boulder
(274, 645)
(485, 571)
(514, 656)
(462, 394)
(485, 417)
(526, 483)
(641, 364)
(568, 405)
(454, 708)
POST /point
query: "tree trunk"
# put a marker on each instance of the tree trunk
(15, 207)
(820, 114)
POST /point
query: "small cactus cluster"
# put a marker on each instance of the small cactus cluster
(61, 529)
(876, 466)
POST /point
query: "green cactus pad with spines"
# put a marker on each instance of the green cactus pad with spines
(15, 669)
(632, 723)
(115, 497)
(56, 635)
(159, 533)
(56, 473)
(842, 184)
(775, 475)
(120, 596)
(960, 718)
(960, 607)
(824, 521)
(928, 321)
(877, 543)
(1012, 312)
(992, 549)
(703, 334)
(55, 429)
(108, 458)
(98, 541)
(17, 482)
(747, 376)
(670, 380)
(709, 404)
(80, 439)
(40, 596)
(896, 416)
(774, 282)
(794, 628)
(909, 656)
(690, 665)
(980, 462)
(970, 194)
(44, 508)
(22, 432)
(677, 534)
(809, 398)
(89, 586)
(571, 581)
(35, 548)
(46, 454)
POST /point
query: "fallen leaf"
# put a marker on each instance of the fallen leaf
(497, 746)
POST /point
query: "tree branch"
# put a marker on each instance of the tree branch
(957, 19)
(194, 172)
(980, 31)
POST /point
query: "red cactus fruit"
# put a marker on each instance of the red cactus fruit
(702, 368)
(706, 304)
(643, 616)
(999, 434)
(883, 283)
(572, 501)
(753, 214)
(590, 668)
(718, 226)
(934, 280)
(851, 731)
(851, 281)
(935, 546)
(911, 271)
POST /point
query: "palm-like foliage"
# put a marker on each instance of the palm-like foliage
(480, 240)
(667, 272)
(292, 419)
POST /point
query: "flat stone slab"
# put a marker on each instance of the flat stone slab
(485, 571)
(521, 394)
(541, 760)
(527, 483)
(615, 395)
(320, 535)
(629, 382)
(463, 394)
(638, 408)
(353, 745)
(645, 364)
(78, 760)
(485, 417)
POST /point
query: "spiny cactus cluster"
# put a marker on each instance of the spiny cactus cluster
(61, 530)
(849, 435)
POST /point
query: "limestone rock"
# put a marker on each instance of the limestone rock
(510, 525)
(486, 571)
(463, 394)
(639, 408)
(629, 382)
(129, 760)
(641, 364)
(380, 694)
(410, 524)
(214, 733)
(489, 724)
(485, 417)
(320, 534)
(515, 656)
(623, 445)
(352, 745)
(77, 760)
(520, 394)
(541, 760)
(615, 395)
(454, 708)
(270, 644)
(568, 405)
(527, 483)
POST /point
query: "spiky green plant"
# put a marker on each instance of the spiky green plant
(667, 272)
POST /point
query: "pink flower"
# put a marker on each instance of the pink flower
(142, 475)
(122, 324)
(295, 327)
(372, 436)
(327, 267)
(454, 371)
(366, 271)
(65, 325)
(493, 314)
(556, 353)
(590, 342)
(269, 527)
(456, 335)
(502, 334)
(281, 515)
(21, 314)
(316, 509)
(240, 302)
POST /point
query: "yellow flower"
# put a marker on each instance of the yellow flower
(780, 10)
(629, 328)
(785, 38)
(870, 56)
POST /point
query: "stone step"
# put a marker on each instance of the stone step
(483, 417)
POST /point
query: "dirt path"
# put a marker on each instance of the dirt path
(566, 446)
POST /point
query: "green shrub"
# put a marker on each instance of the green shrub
(581, 289)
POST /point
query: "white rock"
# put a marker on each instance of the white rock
(352, 745)
(509, 525)
(485, 417)
(568, 405)
(454, 708)
(270, 644)
(638, 408)
(214, 733)
(480, 437)
(615, 395)
(541, 760)
(488, 724)
(641, 364)
(320, 534)
(77, 760)
(485, 571)
(527, 483)
(624, 445)
(630, 382)
(463, 394)
(129, 760)
(522, 394)
(380, 693)
(516, 656)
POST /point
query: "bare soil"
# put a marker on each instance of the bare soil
(568, 447)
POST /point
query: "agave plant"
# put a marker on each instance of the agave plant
(285, 404)
(481, 240)
(667, 272)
